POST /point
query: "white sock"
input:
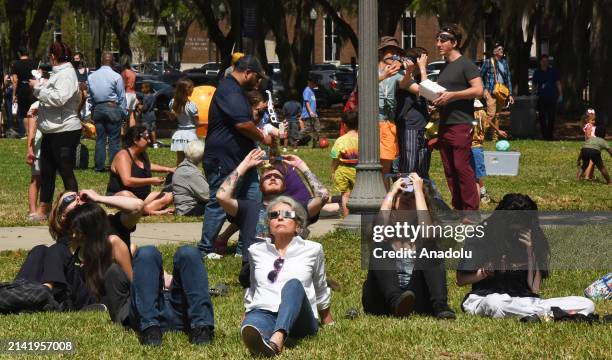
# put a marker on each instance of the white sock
(483, 190)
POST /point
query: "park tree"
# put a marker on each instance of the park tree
(176, 16)
(27, 19)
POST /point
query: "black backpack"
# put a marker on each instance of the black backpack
(82, 157)
(24, 296)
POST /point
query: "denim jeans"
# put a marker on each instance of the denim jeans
(294, 316)
(214, 215)
(185, 306)
(108, 120)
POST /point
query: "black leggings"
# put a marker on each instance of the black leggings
(381, 289)
(57, 154)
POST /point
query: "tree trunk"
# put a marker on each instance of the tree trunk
(389, 14)
(15, 12)
(38, 24)
(344, 29)
(600, 76)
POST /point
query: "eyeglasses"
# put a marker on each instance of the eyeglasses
(278, 265)
(66, 201)
(272, 175)
(286, 214)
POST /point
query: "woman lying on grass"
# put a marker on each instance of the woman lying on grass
(401, 286)
(288, 286)
(87, 241)
(508, 265)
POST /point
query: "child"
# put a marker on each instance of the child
(345, 156)
(147, 117)
(185, 112)
(477, 156)
(292, 110)
(32, 156)
(591, 151)
(589, 131)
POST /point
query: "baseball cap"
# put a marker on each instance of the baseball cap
(250, 63)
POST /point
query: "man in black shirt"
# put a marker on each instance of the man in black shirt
(461, 79)
(22, 93)
(231, 136)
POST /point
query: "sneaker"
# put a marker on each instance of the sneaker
(255, 342)
(444, 312)
(295, 150)
(155, 146)
(95, 307)
(284, 149)
(236, 255)
(484, 198)
(201, 335)
(151, 336)
(213, 256)
(36, 217)
(404, 304)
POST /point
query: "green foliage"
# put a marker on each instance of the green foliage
(146, 44)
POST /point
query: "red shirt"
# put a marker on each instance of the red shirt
(129, 79)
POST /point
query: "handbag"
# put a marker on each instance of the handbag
(600, 289)
(500, 91)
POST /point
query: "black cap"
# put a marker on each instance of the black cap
(250, 63)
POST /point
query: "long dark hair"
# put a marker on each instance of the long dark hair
(89, 222)
(499, 231)
(181, 95)
(133, 134)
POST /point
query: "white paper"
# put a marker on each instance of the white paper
(430, 90)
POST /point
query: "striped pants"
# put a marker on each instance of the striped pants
(414, 155)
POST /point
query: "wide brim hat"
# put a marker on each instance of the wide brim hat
(390, 41)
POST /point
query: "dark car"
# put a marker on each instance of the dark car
(160, 71)
(345, 83)
(163, 94)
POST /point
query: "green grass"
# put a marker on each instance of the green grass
(366, 337)
(547, 174)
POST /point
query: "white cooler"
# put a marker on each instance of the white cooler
(502, 162)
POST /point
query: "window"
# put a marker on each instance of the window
(331, 40)
(408, 30)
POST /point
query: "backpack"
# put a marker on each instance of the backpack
(25, 296)
(82, 157)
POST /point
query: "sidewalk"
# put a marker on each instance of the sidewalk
(13, 238)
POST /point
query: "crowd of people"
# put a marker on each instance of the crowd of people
(271, 199)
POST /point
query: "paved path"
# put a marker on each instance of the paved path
(12, 238)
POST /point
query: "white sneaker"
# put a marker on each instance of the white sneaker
(284, 149)
(155, 146)
(295, 150)
(238, 256)
(214, 256)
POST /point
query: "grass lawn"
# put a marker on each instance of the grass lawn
(366, 337)
(547, 173)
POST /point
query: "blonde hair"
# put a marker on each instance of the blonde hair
(194, 151)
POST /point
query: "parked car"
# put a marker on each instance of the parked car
(278, 89)
(160, 71)
(345, 83)
(434, 67)
(323, 67)
(275, 65)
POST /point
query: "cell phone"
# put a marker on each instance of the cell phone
(277, 158)
(408, 185)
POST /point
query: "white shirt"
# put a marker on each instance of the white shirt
(304, 261)
(59, 98)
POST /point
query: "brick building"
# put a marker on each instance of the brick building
(412, 30)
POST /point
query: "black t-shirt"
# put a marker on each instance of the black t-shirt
(226, 147)
(511, 282)
(292, 110)
(411, 110)
(117, 228)
(456, 76)
(23, 70)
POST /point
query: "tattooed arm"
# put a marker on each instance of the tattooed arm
(227, 188)
(321, 194)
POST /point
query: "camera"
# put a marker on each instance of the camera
(402, 59)
(408, 187)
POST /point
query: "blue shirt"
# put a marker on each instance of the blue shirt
(309, 97)
(106, 85)
(488, 74)
(226, 147)
(546, 83)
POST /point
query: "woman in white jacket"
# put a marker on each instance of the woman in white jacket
(59, 123)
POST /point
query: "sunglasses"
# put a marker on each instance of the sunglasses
(66, 201)
(445, 37)
(286, 214)
(273, 175)
(278, 265)
(144, 136)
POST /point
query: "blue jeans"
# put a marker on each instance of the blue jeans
(214, 215)
(294, 316)
(108, 120)
(185, 306)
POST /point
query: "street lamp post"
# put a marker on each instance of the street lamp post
(369, 189)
